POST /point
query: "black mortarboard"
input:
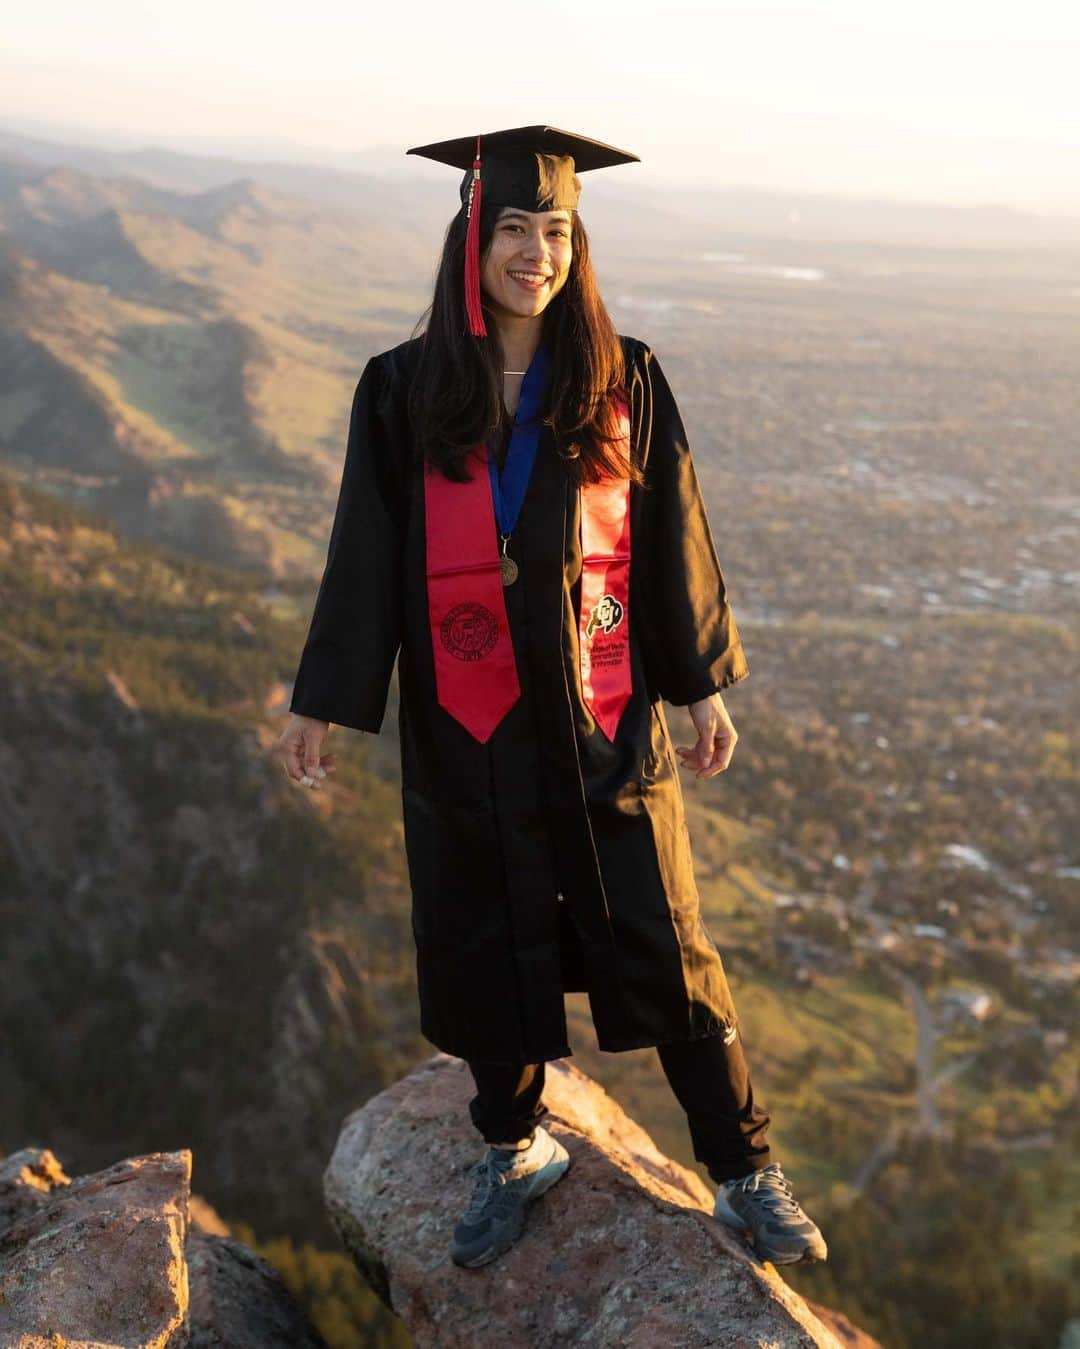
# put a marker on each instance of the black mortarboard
(532, 168)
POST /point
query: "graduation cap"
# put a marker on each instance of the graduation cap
(532, 168)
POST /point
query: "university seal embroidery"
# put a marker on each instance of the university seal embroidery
(469, 631)
(607, 614)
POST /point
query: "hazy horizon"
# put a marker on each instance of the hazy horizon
(949, 106)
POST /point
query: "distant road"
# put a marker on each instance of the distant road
(929, 1120)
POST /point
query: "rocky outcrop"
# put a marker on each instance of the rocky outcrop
(624, 1251)
(123, 1258)
(95, 1260)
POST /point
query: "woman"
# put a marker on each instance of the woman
(520, 525)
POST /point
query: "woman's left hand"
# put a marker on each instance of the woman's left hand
(716, 738)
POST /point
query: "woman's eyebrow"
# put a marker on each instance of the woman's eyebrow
(521, 215)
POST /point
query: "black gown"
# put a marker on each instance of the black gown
(549, 827)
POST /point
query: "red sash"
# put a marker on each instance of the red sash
(604, 636)
(475, 669)
(475, 672)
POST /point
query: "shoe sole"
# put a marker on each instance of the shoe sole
(547, 1176)
(724, 1213)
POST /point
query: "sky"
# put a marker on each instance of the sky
(954, 101)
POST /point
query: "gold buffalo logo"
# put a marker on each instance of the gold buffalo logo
(606, 613)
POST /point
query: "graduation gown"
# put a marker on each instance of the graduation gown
(549, 859)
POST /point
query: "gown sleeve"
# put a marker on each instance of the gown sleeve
(356, 628)
(691, 642)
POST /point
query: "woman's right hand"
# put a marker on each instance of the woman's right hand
(299, 745)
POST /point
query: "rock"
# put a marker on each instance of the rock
(238, 1300)
(27, 1179)
(94, 1260)
(127, 1258)
(623, 1251)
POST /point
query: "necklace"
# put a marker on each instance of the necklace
(513, 372)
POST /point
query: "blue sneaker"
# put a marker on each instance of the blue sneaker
(762, 1204)
(506, 1180)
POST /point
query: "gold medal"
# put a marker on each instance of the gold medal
(507, 565)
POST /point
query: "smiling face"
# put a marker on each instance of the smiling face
(527, 261)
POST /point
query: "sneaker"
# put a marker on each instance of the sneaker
(506, 1180)
(762, 1204)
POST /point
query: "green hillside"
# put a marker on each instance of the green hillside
(184, 363)
(197, 954)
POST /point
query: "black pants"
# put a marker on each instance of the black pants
(710, 1080)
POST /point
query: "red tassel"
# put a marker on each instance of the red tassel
(472, 254)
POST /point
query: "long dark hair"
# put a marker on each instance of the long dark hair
(455, 400)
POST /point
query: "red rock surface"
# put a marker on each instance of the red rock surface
(623, 1251)
(98, 1259)
(127, 1258)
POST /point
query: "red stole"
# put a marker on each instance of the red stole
(475, 668)
(604, 629)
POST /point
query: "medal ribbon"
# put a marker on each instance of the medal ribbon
(604, 632)
(508, 487)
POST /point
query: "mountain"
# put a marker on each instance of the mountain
(195, 952)
(408, 189)
(185, 363)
